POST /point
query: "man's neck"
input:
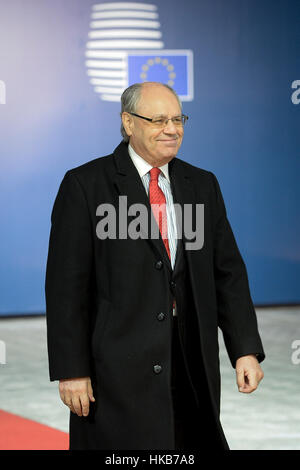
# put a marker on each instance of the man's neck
(143, 166)
(153, 162)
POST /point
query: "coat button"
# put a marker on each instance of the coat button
(157, 368)
(173, 284)
(161, 316)
(158, 264)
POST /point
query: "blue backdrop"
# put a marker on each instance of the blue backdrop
(244, 123)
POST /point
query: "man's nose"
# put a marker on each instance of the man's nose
(170, 127)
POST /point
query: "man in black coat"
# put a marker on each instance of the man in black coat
(133, 312)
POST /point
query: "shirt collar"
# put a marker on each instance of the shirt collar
(144, 167)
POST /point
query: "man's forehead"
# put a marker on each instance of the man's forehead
(156, 97)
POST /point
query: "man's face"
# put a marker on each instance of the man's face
(156, 145)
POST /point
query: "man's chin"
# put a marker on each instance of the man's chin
(170, 152)
(167, 157)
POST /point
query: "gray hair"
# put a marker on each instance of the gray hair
(130, 98)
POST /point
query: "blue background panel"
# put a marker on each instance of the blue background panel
(243, 125)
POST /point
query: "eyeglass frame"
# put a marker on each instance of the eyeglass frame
(183, 116)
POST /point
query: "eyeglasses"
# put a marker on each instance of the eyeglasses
(162, 121)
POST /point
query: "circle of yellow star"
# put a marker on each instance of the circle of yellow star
(165, 63)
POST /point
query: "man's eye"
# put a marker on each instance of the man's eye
(158, 121)
(177, 120)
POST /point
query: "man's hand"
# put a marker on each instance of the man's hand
(77, 394)
(248, 373)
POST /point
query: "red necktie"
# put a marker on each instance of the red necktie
(158, 205)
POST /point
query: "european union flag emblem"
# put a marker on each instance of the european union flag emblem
(175, 68)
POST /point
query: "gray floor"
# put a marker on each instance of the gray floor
(267, 419)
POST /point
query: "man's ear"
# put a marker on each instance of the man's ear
(127, 123)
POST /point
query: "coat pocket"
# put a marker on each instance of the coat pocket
(103, 310)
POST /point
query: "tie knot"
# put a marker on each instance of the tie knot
(154, 173)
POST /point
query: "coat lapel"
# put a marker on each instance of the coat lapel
(183, 193)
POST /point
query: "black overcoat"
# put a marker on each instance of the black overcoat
(103, 297)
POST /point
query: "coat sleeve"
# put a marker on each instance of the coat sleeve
(236, 313)
(68, 283)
